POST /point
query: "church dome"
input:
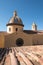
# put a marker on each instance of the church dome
(15, 20)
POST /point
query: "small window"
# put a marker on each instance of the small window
(9, 29)
(16, 29)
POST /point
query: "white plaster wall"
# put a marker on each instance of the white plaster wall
(34, 28)
(13, 28)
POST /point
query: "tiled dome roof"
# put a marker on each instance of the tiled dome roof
(15, 20)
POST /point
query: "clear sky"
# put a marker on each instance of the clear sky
(28, 10)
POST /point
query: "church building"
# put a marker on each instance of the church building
(17, 36)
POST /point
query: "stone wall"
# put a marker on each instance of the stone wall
(28, 39)
(37, 39)
(11, 39)
(1, 40)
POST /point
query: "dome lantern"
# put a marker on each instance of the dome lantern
(15, 13)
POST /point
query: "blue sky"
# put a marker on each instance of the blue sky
(28, 10)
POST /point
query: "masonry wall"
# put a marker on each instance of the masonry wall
(1, 41)
(29, 39)
(11, 39)
(37, 39)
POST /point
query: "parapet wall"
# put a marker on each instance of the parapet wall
(1, 40)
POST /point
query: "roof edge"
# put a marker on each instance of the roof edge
(14, 24)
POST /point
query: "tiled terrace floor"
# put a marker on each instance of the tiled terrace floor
(25, 55)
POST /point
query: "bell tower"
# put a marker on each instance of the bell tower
(34, 26)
